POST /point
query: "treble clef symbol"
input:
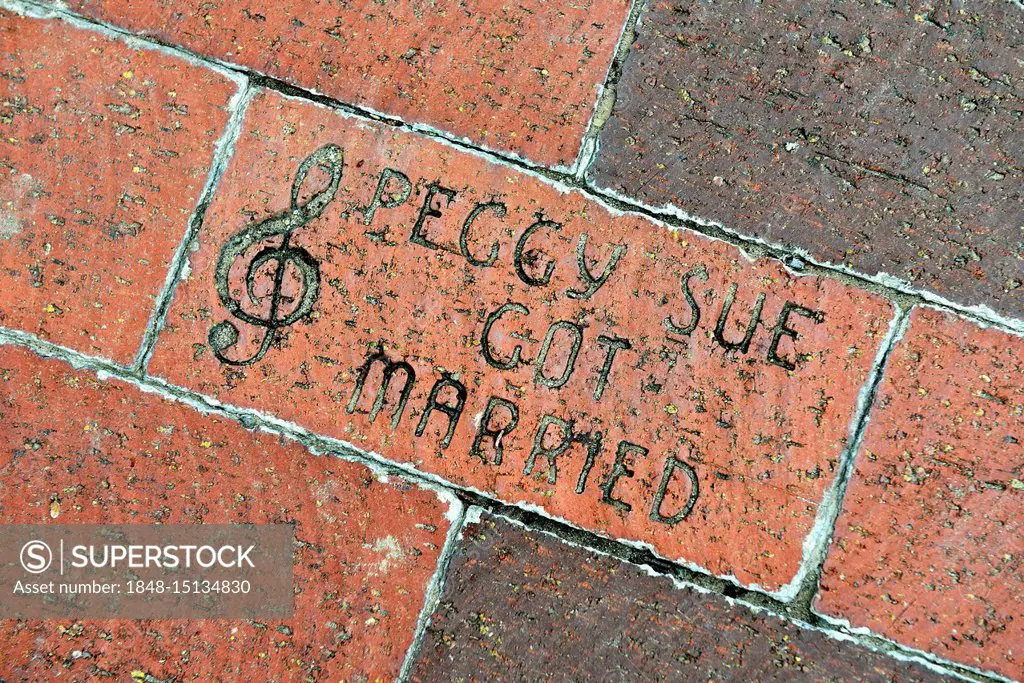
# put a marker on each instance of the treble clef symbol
(224, 334)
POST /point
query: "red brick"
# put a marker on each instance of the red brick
(763, 441)
(928, 548)
(883, 136)
(521, 77)
(104, 151)
(517, 603)
(107, 453)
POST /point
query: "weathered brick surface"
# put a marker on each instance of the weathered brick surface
(885, 136)
(79, 450)
(928, 549)
(517, 605)
(104, 151)
(522, 77)
(719, 457)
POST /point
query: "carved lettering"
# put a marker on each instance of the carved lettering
(485, 338)
(593, 283)
(383, 197)
(419, 235)
(701, 273)
(390, 369)
(454, 412)
(672, 464)
(494, 434)
(575, 342)
(498, 209)
(620, 469)
(781, 330)
(519, 256)
(614, 344)
(755, 317)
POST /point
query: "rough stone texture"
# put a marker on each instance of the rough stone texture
(104, 151)
(760, 441)
(928, 549)
(522, 77)
(79, 450)
(521, 605)
(884, 136)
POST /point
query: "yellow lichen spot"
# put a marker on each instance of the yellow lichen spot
(671, 409)
(127, 75)
(54, 509)
(205, 443)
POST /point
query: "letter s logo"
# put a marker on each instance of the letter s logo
(36, 557)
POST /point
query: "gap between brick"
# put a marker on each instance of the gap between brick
(607, 93)
(797, 260)
(901, 293)
(804, 586)
(531, 516)
(225, 148)
(434, 590)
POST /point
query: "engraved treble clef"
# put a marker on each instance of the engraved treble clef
(224, 334)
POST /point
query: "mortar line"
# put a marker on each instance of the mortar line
(225, 149)
(606, 96)
(817, 543)
(434, 591)
(534, 517)
(883, 284)
(830, 628)
(910, 296)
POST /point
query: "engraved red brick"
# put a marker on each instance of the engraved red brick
(516, 603)
(883, 136)
(78, 450)
(717, 457)
(928, 548)
(522, 77)
(104, 151)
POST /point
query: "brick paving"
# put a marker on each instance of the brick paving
(608, 621)
(80, 450)
(879, 136)
(234, 294)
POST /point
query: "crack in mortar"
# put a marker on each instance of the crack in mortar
(804, 586)
(225, 149)
(797, 260)
(800, 263)
(607, 94)
(436, 587)
(523, 513)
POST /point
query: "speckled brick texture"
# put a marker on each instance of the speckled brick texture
(79, 450)
(104, 151)
(519, 77)
(928, 549)
(694, 441)
(520, 605)
(881, 136)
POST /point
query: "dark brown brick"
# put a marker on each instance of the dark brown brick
(880, 137)
(521, 605)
